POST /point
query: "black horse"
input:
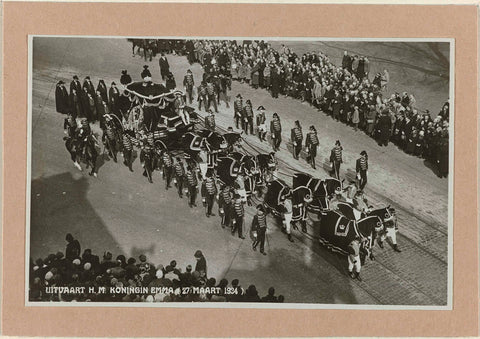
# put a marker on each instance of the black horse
(337, 232)
(322, 190)
(386, 214)
(301, 198)
(83, 151)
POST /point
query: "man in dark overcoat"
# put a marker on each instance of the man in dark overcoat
(384, 127)
(62, 98)
(164, 66)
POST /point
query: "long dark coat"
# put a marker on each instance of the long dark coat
(76, 103)
(384, 127)
(76, 85)
(114, 96)
(164, 66)
(102, 88)
(86, 111)
(62, 100)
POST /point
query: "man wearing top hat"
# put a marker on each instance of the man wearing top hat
(261, 124)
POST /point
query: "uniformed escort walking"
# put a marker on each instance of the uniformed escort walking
(209, 191)
(276, 132)
(127, 140)
(248, 117)
(311, 144)
(192, 185)
(259, 228)
(202, 96)
(336, 159)
(179, 174)
(390, 230)
(167, 168)
(238, 213)
(297, 139)
(261, 124)
(211, 95)
(225, 205)
(237, 110)
(147, 159)
(210, 121)
(354, 259)
(362, 170)
(188, 83)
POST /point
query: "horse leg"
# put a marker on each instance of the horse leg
(74, 157)
(114, 151)
(93, 162)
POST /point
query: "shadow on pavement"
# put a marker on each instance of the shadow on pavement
(281, 264)
(59, 205)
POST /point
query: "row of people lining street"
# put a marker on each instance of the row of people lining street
(89, 275)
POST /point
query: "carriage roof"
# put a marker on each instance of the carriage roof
(152, 94)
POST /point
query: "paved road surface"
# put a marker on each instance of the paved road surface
(119, 211)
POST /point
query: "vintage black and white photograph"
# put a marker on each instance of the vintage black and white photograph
(240, 172)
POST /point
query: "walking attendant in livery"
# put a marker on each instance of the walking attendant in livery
(297, 139)
(362, 170)
(288, 204)
(311, 144)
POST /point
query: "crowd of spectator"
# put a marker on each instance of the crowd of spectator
(89, 274)
(347, 92)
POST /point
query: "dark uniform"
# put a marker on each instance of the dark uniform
(70, 125)
(384, 127)
(237, 110)
(146, 158)
(336, 160)
(188, 82)
(247, 118)
(192, 183)
(62, 98)
(164, 66)
(179, 174)
(259, 225)
(225, 205)
(211, 96)
(297, 139)
(362, 168)
(114, 97)
(167, 165)
(209, 190)
(276, 131)
(238, 212)
(127, 140)
(75, 85)
(202, 96)
(210, 122)
(311, 143)
(261, 127)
